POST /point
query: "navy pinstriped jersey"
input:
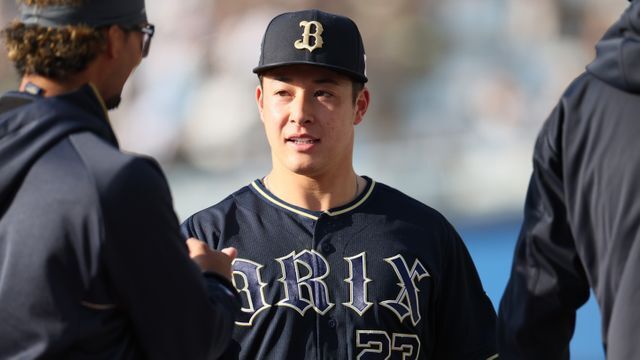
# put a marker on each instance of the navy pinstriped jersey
(384, 277)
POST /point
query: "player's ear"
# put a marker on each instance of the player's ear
(259, 100)
(115, 37)
(362, 104)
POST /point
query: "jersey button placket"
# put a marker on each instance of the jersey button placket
(327, 248)
(320, 231)
(332, 323)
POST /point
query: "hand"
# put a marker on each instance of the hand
(212, 260)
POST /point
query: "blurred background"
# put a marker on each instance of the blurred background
(459, 91)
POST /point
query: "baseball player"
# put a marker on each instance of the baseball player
(333, 265)
(92, 263)
(581, 228)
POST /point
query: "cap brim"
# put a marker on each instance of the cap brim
(354, 75)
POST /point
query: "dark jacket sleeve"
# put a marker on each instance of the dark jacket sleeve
(176, 312)
(548, 282)
(466, 320)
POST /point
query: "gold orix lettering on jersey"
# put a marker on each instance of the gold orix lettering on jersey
(304, 43)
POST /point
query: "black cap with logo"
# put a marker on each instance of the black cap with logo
(313, 37)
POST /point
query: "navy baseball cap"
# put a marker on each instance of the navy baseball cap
(313, 37)
(94, 13)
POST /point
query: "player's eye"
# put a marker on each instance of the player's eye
(281, 93)
(322, 93)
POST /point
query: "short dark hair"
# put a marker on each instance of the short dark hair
(356, 87)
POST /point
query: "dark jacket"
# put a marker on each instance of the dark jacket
(581, 227)
(92, 263)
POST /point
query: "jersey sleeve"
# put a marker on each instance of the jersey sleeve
(465, 317)
(176, 313)
(201, 227)
(547, 282)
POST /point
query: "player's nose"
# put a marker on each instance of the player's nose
(301, 110)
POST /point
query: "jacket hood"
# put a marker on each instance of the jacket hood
(30, 125)
(617, 59)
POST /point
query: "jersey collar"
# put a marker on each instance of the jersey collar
(259, 188)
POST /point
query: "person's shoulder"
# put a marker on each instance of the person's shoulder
(390, 196)
(398, 204)
(207, 223)
(579, 85)
(116, 172)
(588, 89)
(220, 209)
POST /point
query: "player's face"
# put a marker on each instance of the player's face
(128, 55)
(309, 117)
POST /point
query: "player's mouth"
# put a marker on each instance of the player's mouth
(302, 142)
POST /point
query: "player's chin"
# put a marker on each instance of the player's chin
(303, 165)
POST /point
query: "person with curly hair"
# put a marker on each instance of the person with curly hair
(92, 263)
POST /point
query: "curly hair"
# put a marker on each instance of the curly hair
(56, 53)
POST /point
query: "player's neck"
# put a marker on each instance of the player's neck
(52, 87)
(96, 73)
(315, 193)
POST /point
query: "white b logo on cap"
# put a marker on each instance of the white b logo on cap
(306, 35)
